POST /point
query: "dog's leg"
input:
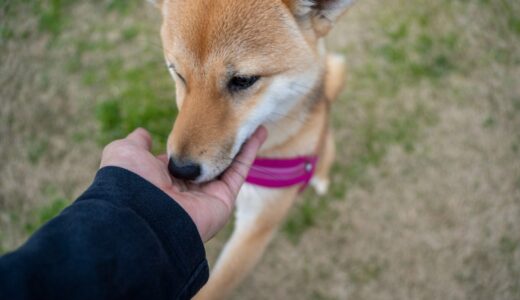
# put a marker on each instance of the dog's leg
(259, 212)
(320, 181)
(335, 76)
(334, 81)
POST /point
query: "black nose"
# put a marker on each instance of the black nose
(183, 170)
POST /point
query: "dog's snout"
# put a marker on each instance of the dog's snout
(186, 170)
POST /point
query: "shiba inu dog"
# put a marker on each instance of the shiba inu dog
(238, 64)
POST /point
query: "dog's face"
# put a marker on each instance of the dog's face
(237, 64)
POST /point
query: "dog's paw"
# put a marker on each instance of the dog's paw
(320, 185)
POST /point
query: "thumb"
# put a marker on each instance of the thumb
(236, 174)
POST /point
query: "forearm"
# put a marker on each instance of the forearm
(123, 238)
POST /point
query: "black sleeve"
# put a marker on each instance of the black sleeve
(122, 239)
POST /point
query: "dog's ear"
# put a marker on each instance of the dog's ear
(321, 13)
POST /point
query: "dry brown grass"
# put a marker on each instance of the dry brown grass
(441, 221)
(426, 196)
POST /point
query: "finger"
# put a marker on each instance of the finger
(236, 174)
(163, 158)
(141, 138)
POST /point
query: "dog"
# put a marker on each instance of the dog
(238, 64)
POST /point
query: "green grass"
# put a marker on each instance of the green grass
(402, 131)
(127, 81)
(508, 245)
(489, 122)
(42, 215)
(101, 64)
(140, 93)
(401, 60)
(6, 33)
(145, 99)
(122, 6)
(134, 90)
(304, 216)
(130, 33)
(410, 51)
(36, 150)
(363, 272)
(130, 96)
(51, 15)
(412, 58)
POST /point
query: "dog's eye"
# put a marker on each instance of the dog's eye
(239, 83)
(172, 67)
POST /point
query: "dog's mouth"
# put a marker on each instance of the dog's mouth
(227, 162)
(209, 171)
(206, 162)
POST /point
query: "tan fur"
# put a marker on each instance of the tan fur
(206, 41)
(251, 237)
(335, 76)
(204, 52)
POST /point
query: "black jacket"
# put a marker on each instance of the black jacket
(122, 239)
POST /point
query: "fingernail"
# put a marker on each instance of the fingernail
(262, 132)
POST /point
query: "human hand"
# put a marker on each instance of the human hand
(208, 204)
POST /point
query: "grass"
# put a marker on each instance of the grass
(423, 198)
(375, 142)
(362, 272)
(52, 17)
(402, 59)
(125, 90)
(144, 100)
(131, 96)
(409, 53)
(36, 150)
(42, 215)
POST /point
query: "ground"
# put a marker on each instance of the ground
(425, 196)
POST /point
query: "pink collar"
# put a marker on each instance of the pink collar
(282, 172)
